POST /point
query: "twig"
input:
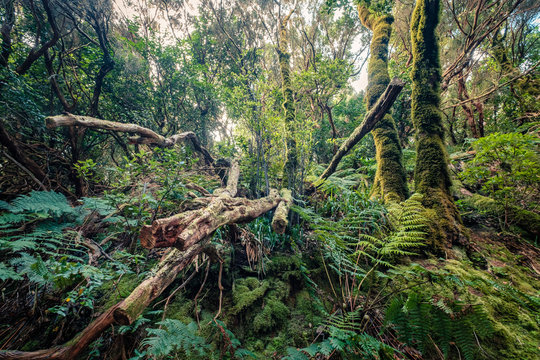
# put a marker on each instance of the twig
(220, 288)
(199, 292)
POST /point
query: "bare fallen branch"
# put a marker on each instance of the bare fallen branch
(145, 136)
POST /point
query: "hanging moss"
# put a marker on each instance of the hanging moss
(432, 177)
(390, 180)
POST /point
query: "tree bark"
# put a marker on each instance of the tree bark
(145, 136)
(281, 216)
(376, 113)
(189, 228)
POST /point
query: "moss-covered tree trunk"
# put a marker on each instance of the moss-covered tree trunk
(432, 177)
(291, 164)
(390, 180)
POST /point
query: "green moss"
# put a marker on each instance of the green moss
(246, 292)
(181, 309)
(115, 290)
(390, 180)
(273, 314)
(432, 177)
(524, 219)
(516, 326)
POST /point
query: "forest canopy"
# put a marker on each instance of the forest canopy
(307, 179)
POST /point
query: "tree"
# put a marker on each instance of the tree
(390, 181)
(432, 177)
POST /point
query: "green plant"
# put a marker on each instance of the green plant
(507, 168)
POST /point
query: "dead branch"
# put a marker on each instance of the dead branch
(145, 136)
(124, 312)
(189, 231)
(376, 113)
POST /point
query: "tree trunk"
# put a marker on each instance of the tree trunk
(432, 177)
(15, 151)
(390, 179)
(281, 216)
(467, 108)
(373, 116)
(291, 164)
(5, 31)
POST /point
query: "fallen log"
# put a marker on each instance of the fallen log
(188, 228)
(376, 113)
(281, 216)
(193, 238)
(145, 136)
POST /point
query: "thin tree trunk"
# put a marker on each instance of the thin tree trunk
(5, 31)
(291, 164)
(18, 154)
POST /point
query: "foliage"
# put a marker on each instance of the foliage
(507, 168)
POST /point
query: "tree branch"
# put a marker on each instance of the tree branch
(377, 113)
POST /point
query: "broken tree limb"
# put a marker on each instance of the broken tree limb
(281, 216)
(186, 229)
(162, 276)
(145, 136)
(232, 182)
(376, 113)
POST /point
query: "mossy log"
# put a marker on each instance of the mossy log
(390, 180)
(188, 228)
(145, 136)
(281, 216)
(376, 113)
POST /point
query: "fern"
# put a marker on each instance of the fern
(175, 336)
(422, 323)
(49, 202)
